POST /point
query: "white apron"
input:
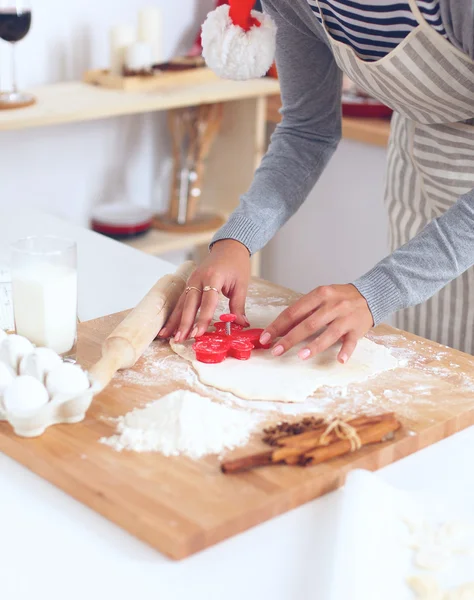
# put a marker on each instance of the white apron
(429, 83)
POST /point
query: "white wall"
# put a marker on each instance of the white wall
(67, 169)
(341, 230)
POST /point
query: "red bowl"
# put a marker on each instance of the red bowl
(121, 220)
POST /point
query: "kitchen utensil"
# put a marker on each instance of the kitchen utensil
(228, 340)
(193, 131)
(124, 346)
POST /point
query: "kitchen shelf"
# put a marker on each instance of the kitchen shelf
(76, 101)
(157, 242)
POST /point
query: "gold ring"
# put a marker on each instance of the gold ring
(208, 288)
(188, 289)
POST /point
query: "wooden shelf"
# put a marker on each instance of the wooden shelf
(368, 131)
(157, 242)
(73, 102)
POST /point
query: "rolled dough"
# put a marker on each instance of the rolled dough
(287, 378)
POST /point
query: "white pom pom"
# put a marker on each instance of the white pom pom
(233, 53)
(13, 349)
(24, 396)
(39, 363)
(67, 381)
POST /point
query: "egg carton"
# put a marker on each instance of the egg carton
(60, 409)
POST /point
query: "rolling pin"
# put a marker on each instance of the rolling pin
(131, 338)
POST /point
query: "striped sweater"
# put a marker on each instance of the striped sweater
(373, 29)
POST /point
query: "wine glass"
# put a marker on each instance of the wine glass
(15, 23)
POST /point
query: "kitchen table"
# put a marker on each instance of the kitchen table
(52, 547)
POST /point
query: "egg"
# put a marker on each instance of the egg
(13, 348)
(24, 396)
(67, 380)
(39, 363)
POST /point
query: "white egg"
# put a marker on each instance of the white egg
(39, 363)
(67, 380)
(13, 349)
(25, 395)
(7, 375)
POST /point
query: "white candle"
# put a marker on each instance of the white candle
(138, 57)
(121, 37)
(150, 31)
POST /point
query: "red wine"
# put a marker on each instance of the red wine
(14, 25)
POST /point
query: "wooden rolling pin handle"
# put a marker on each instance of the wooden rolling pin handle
(129, 340)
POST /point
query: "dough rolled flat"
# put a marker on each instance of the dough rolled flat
(287, 378)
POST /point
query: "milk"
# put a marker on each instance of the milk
(45, 305)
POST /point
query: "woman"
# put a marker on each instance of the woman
(416, 56)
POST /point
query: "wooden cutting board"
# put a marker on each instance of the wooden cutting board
(180, 506)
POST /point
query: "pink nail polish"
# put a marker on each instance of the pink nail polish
(304, 354)
(193, 332)
(344, 358)
(265, 338)
(278, 350)
(163, 332)
(177, 337)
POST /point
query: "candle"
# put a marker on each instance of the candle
(121, 37)
(150, 31)
(139, 57)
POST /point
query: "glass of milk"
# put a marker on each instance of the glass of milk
(44, 285)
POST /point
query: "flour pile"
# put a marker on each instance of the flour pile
(183, 423)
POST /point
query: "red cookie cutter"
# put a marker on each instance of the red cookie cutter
(228, 339)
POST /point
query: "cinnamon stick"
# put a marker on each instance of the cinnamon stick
(283, 430)
(371, 434)
(300, 439)
(308, 451)
(246, 463)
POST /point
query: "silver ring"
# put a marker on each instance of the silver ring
(208, 288)
(191, 287)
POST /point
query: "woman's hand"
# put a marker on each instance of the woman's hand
(227, 270)
(340, 308)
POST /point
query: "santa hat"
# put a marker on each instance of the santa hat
(238, 42)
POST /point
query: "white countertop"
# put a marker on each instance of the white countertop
(54, 548)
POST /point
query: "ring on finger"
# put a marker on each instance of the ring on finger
(209, 288)
(191, 287)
